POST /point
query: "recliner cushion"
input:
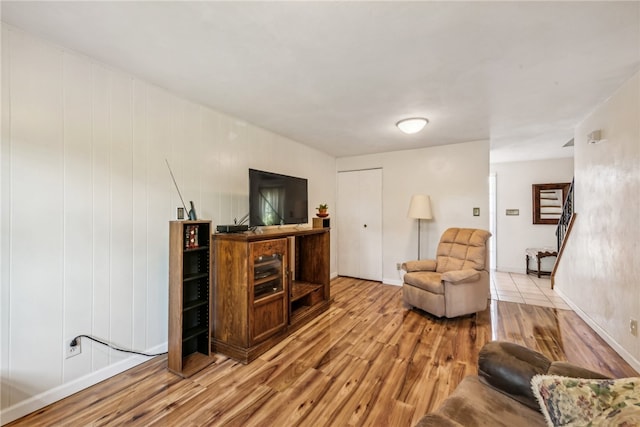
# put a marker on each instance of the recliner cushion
(462, 248)
(426, 280)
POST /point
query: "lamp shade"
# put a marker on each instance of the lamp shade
(420, 207)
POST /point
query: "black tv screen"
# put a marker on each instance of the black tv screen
(276, 199)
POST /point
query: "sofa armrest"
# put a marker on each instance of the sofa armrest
(419, 265)
(570, 370)
(460, 276)
(509, 367)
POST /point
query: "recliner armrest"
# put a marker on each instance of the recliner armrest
(461, 276)
(419, 265)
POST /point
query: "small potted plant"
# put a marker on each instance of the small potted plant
(323, 210)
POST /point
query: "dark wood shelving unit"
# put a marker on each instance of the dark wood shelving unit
(301, 289)
(256, 300)
(189, 297)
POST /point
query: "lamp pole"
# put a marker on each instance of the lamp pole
(419, 235)
(420, 208)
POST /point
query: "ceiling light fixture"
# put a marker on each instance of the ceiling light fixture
(412, 125)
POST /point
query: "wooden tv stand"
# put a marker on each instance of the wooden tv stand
(265, 286)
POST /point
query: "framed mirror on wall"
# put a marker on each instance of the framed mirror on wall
(547, 202)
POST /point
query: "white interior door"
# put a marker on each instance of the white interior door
(347, 216)
(360, 224)
(371, 224)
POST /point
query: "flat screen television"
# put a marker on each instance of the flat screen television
(276, 199)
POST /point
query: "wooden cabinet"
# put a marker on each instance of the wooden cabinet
(265, 286)
(189, 296)
(267, 289)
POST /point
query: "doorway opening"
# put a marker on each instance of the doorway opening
(493, 211)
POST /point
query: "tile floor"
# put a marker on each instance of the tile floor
(525, 289)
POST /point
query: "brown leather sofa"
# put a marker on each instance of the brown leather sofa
(501, 395)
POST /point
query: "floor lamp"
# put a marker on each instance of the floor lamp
(420, 208)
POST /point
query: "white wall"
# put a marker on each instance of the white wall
(455, 176)
(599, 271)
(86, 201)
(514, 234)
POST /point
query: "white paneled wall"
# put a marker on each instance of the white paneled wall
(86, 200)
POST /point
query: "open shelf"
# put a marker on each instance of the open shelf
(194, 304)
(300, 290)
(193, 332)
(304, 295)
(299, 312)
(189, 296)
(194, 276)
(199, 248)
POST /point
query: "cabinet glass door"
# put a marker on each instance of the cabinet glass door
(267, 276)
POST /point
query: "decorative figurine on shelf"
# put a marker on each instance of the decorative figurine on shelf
(191, 237)
(323, 210)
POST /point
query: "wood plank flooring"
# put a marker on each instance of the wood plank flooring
(367, 361)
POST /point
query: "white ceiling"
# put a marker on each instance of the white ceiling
(338, 75)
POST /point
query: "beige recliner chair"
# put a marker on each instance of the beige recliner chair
(457, 282)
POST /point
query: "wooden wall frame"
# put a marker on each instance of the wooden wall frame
(548, 200)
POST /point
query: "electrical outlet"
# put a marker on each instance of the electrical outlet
(633, 327)
(399, 266)
(70, 350)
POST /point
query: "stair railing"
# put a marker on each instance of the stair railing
(563, 229)
(565, 218)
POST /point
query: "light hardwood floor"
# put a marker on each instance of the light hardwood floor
(366, 361)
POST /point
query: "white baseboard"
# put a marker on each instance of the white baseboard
(48, 397)
(518, 270)
(385, 281)
(396, 282)
(628, 357)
